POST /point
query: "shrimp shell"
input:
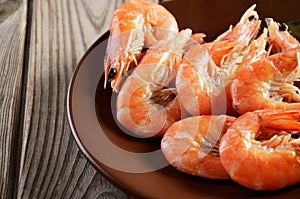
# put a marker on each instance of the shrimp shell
(135, 24)
(269, 164)
(191, 145)
(204, 88)
(268, 83)
(146, 104)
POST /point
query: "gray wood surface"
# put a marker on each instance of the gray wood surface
(41, 42)
(12, 39)
(51, 164)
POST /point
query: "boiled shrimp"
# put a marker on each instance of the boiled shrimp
(191, 145)
(146, 105)
(203, 87)
(267, 163)
(135, 24)
(235, 39)
(268, 83)
(280, 37)
(255, 51)
(200, 84)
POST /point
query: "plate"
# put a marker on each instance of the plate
(135, 165)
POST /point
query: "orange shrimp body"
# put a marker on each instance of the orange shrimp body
(258, 150)
(146, 105)
(204, 88)
(236, 38)
(135, 24)
(280, 38)
(268, 83)
(191, 145)
(255, 51)
(201, 84)
(245, 30)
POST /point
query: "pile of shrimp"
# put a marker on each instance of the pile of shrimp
(225, 109)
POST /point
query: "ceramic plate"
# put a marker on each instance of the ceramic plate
(133, 164)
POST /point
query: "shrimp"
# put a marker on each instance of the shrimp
(245, 30)
(146, 105)
(191, 145)
(268, 83)
(203, 87)
(134, 24)
(280, 37)
(200, 84)
(270, 163)
(235, 39)
(255, 51)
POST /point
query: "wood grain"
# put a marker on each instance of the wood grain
(12, 39)
(51, 164)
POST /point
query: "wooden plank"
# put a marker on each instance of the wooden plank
(12, 40)
(51, 164)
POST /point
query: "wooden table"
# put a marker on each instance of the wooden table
(40, 43)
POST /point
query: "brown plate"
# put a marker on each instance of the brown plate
(137, 165)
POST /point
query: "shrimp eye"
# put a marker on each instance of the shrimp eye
(283, 27)
(252, 17)
(144, 49)
(295, 136)
(112, 73)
